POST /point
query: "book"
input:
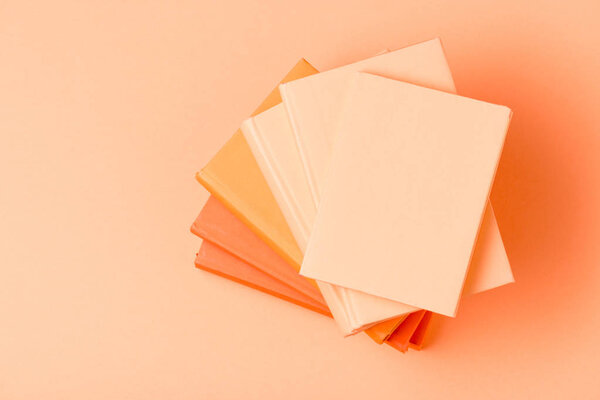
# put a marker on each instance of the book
(272, 141)
(217, 224)
(233, 177)
(440, 151)
(213, 259)
(418, 337)
(385, 329)
(401, 338)
(313, 105)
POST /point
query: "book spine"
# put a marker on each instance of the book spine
(288, 103)
(279, 185)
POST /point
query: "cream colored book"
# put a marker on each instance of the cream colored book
(313, 105)
(273, 145)
(272, 142)
(411, 194)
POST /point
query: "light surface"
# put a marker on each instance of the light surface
(107, 109)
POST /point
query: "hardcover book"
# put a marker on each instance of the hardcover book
(424, 174)
(218, 225)
(271, 140)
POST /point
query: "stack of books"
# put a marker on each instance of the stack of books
(361, 193)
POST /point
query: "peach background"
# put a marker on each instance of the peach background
(108, 108)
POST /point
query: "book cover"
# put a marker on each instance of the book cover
(425, 191)
(313, 105)
(272, 142)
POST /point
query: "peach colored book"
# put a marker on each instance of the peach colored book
(233, 177)
(271, 140)
(218, 261)
(420, 179)
(313, 104)
(274, 146)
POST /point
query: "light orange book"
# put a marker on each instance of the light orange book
(235, 179)
(213, 259)
(421, 181)
(418, 337)
(272, 140)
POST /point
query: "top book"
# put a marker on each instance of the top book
(313, 105)
(422, 162)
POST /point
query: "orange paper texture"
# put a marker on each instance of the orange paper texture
(385, 329)
(424, 176)
(218, 261)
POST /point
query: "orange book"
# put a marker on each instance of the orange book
(418, 337)
(400, 339)
(213, 259)
(234, 178)
(380, 332)
(216, 224)
(428, 165)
